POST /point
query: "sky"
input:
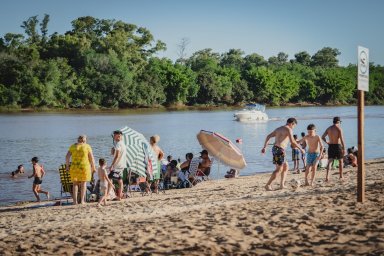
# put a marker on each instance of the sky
(253, 26)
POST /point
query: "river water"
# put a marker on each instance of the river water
(48, 136)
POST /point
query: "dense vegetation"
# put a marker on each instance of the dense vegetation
(112, 64)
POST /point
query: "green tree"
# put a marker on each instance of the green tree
(232, 59)
(375, 95)
(261, 81)
(253, 60)
(326, 57)
(335, 85)
(303, 58)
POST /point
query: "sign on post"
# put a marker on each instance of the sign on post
(363, 69)
(362, 86)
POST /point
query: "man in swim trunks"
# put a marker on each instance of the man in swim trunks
(315, 146)
(282, 135)
(336, 149)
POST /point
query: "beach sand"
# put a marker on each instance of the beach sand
(222, 217)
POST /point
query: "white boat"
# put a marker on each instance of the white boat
(252, 113)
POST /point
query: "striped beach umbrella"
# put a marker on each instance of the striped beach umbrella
(140, 156)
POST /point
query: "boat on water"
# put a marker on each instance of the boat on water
(252, 113)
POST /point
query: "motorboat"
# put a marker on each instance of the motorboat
(252, 113)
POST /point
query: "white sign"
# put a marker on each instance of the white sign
(362, 68)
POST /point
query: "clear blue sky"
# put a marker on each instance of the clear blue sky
(266, 27)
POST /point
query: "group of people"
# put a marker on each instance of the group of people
(181, 172)
(333, 137)
(80, 161)
(81, 165)
(37, 173)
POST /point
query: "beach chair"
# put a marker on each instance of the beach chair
(66, 184)
(193, 166)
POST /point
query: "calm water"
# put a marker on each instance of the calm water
(48, 136)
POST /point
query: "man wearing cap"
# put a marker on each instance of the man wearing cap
(336, 149)
(119, 162)
(204, 168)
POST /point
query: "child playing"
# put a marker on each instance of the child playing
(38, 173)
(315, 147)
(104, 181)
(295, 156)
(20, 169)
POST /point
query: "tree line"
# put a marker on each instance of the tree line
(103, 63)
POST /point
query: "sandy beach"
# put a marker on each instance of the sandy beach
(225, 217)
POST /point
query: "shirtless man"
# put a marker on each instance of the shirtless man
(282, 135)
(336, 149)
(204, 168)
(315, 147)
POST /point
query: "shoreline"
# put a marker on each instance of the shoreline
(234, 216)
(6, 110)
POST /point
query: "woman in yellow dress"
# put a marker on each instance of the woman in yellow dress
(80, 167)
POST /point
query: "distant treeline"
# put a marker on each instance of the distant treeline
(112, 64)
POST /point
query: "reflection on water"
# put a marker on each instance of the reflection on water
(49, 135)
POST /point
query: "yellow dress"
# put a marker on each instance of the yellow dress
(80, 169)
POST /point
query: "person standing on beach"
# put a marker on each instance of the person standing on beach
(159, 154)
(295, 156)
(104, 181)
(38, 173)
(81, 166)
(303, 155)
(315, 148)
(119, 163)
(282, 135)
(336, 146)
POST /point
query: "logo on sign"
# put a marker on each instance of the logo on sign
(363, 62)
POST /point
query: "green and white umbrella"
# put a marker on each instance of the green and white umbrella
(140, 157)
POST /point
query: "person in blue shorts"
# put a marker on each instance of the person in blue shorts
(295, 156)
(315, 147)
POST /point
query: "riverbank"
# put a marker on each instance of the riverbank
(158, 108)
(215, 217)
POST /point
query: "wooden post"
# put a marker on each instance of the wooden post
(360, 157)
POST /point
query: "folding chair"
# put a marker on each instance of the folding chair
(193, 166)
(66, 183)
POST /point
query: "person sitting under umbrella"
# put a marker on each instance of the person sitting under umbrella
(204, 168)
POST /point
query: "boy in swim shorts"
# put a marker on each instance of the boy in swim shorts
(38, 173)
(315, 146)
